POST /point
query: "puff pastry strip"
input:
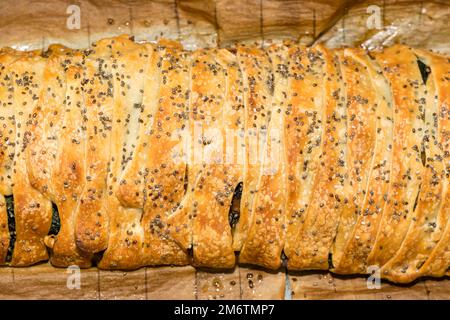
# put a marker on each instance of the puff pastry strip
(167, 160)
(92, 218)
(7, 120)
(46, 123)
(54, 168)
(295, 133)
(130, 191)
(308, 89)
(7, 138)
(327, 169)
(438, 262)
(257, 85)
(32, 211)
(125, 230)
(70, 172)
(399, 65)
(222, 113)
(46, 150)
(234, 121)
(215, 179)
(356, 246)
(266, 233)
(4, 232)
(360, 145)
(299, 125)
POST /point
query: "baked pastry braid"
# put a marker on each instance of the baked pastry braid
(309, 158)
(399, 65)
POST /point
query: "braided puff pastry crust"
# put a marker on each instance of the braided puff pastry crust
(152, 155)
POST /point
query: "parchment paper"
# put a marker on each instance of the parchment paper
(36, 24)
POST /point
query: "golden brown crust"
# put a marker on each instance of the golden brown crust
(329, 156)
(125, 229)
(4, 232)
(234, 126)
(7, 138)
(142, 146)
(356, 246)
(91, 218)
(32, 211)
(400, 67)
(7, 120)
(266, 233)
(438, 261)
(164, 206)
(257, 84)
(216, 179)
(429, 222)
(311, 236)
(46, 121)
(130, 191)
(297, 122)
(69, 173)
